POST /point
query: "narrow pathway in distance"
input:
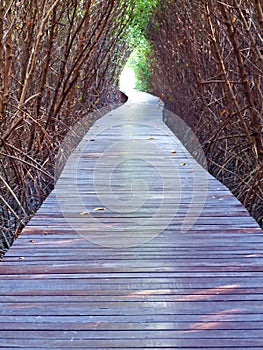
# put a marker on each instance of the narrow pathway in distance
(138, 247)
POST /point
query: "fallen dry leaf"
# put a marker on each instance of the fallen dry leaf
(99, 208)
(173, 151)
(84, 213)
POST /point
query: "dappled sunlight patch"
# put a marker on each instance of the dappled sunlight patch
(209, 293)
(212, 321)
(148, 292)
(182, 295)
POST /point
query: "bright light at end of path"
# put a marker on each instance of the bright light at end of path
(127, 80)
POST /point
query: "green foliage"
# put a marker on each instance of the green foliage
(141, 15)
(139, 62)
(140, 46)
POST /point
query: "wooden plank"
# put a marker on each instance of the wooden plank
(164, 343)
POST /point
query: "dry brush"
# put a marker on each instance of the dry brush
(60, 60)
(207, 65)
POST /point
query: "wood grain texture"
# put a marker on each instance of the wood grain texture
(88, 273)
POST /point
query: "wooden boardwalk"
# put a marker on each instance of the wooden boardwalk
(137, 248)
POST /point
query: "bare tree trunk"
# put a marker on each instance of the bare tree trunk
(34, 53)
(259, 7)
(8, 57)
(256, 126)
(225, 74)
(2, 12)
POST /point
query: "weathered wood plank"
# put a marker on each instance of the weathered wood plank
(128, 343)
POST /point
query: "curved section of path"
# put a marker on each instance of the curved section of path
(138, 247)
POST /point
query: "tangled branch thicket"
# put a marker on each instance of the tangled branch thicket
(59, 61)
(207, 66)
